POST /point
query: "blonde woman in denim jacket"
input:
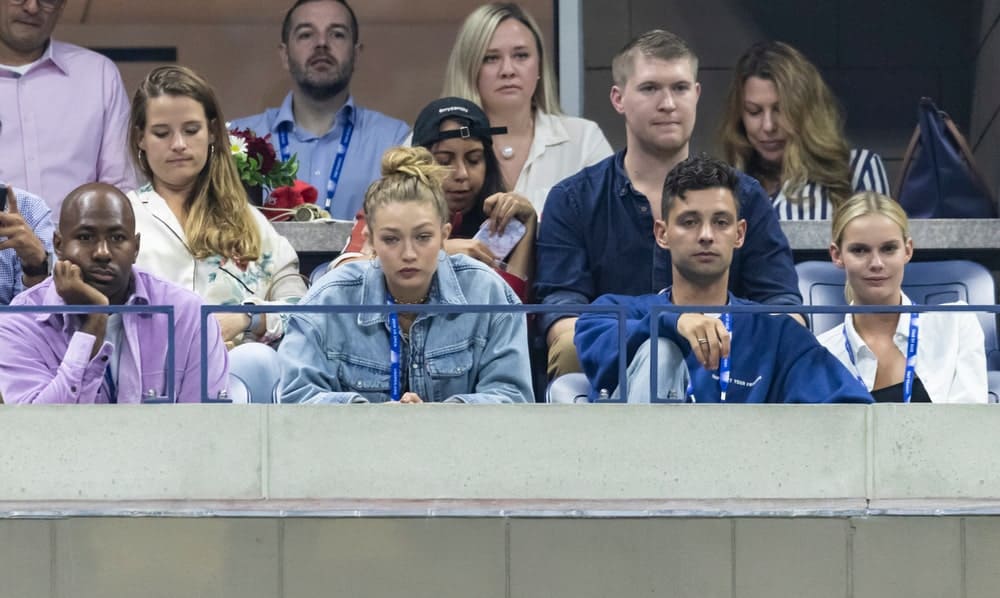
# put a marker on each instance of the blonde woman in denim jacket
(448, 357)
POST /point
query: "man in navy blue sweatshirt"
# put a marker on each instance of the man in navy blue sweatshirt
(738, 358)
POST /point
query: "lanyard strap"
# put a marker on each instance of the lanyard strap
(724, 364)
(909, 374)
(112, 388)
(395, 354)
(338, 161)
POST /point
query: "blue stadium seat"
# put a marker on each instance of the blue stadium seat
(928, 283)
(238, 392)
(257, 366)
(568, 388)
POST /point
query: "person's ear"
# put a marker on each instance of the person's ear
(283, 55)
(57, 243)
(616, 99)
(836, 256)
(660, 234)
(445, 233)
(135, 255)
(908, 247)
(741, 233)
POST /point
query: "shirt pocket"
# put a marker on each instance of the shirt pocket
(365, 377)
(451, 371)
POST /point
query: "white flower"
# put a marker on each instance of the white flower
(237, 146)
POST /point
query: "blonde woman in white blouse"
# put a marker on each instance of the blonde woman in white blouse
(871, 242)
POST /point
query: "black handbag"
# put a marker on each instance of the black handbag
(939, 178)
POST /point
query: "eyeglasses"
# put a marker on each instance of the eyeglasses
(46, 5)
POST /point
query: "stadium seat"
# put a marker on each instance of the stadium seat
(568, 389)
(928, 283)
(256, 365)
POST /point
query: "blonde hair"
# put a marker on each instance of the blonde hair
(865, 203)
(657, 43)
(408, 174)
(816, 150)
(462, 74)
(219, 220)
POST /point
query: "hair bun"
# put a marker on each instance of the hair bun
(416, 162)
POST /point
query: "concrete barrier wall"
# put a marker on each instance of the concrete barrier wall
(731, 501)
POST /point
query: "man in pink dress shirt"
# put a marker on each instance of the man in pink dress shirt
(96, 357)
(63, 109)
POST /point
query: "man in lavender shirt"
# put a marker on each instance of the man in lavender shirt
(101, 358)
(63, 109)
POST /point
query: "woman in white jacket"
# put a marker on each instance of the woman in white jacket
(915, 357)
(197, 227)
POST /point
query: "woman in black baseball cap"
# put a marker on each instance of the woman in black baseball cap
(458, 134)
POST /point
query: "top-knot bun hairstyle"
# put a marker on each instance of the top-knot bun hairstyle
(408, 174)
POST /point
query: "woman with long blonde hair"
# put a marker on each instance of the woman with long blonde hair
(917, 357)
(499, 62)
(783, 126)
(197, 227)
(403, 356)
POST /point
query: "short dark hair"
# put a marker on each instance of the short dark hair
(286, 25)
(697, 173)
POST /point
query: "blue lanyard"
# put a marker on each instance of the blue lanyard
(395, 354)
(338, 162)
(724, 364)
(911, 357)
(112, 387)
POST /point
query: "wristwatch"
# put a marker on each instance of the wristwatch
(39, 270)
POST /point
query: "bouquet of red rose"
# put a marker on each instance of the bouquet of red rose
(257, 163)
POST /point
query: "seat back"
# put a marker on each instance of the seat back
(927, 283)
(238, 392)
(568, 389)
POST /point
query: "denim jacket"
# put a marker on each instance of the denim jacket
(454, 357)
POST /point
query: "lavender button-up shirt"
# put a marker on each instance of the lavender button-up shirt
(63, 124)
(47, 358)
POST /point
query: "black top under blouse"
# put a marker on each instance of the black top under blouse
(894, 393)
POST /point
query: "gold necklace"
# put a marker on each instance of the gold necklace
(417, 302)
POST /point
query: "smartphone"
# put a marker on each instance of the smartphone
(3, 197)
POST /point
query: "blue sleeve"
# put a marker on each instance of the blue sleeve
(562, 269)
(504, 367)
(596, 336)
(813, 374)
(307, 376)
(868, 172)
(766, 270)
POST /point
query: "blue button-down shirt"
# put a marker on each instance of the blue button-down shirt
(36, 215)
(374, 133)
(597, 237)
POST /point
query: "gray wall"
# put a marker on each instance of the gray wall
(904, 557)
(879, 56)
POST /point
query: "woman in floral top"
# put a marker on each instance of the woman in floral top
(197, 228)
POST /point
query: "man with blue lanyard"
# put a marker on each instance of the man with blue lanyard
(339, 144)
(708, 358)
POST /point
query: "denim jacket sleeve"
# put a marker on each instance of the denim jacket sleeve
(504, 369)
(305, 371)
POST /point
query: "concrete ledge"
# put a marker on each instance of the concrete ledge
(498, 461)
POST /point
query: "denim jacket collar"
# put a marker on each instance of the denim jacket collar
(445, 289)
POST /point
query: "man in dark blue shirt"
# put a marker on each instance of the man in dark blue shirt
(596, 234)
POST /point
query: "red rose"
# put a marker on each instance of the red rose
(258, 147)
